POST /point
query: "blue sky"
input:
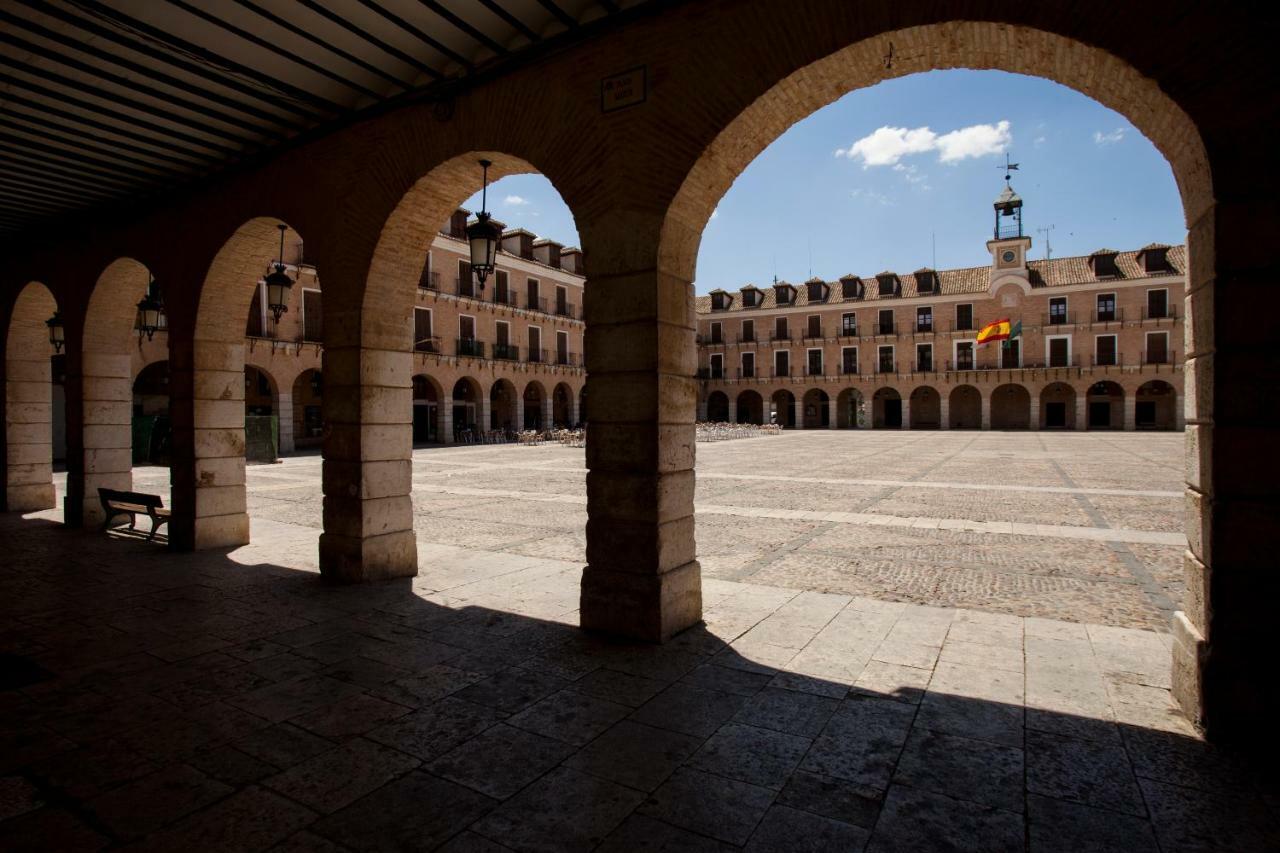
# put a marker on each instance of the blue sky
(887, 176)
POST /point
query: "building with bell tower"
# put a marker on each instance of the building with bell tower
(1008, 244)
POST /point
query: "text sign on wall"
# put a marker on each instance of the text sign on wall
(625, 89)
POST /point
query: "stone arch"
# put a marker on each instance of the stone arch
(29, 402)
(850, 409)
(886, 409)
(964, 408)
(750, 408)
(1104, 405)
(718, 407)
(308, 409)
(503, 405)
(104, 457)
(783, 408)
(428, 409)
(926, 408)
(816, 411)
(1156, 406)
(562, 399)
(1010, 407)
(466, 404)
(1058, 406)
(534, 400)
(151, 421)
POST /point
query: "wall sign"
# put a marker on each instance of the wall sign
(625, 89)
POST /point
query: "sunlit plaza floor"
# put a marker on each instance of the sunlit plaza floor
(913, 641)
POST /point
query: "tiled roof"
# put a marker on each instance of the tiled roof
(1058, 272)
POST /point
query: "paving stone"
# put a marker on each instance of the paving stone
(85, 773)
(861, 741)
(470, 842)
(571, 717)
(760, 756)
(428, 685)
(501, 760)
(349, 717)
(147, 804)
(787, 711)
(710, 805)
(283, 745)
(306, 842)
(337, 778)
(564, 810)
(636, 755)
(1090, 772)
(228, 764)
(690, 710)
(1197, 820)
(621, 687)
(893, 681)
(418, 811)
(973, 718)
(1061, 827)
(831, 797)
(18, 796)
(641, 834)
(49, 829)
(432, 731)
(279, 702)
(726, 679)
(963, 769)
(788, 829)
(512, 689)
(922, 820)
(253, 819)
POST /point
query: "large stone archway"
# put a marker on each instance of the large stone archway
(29, 402)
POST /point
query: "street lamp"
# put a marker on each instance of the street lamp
(483, 234)
(279, 283)
(150, 311)
(57, 331)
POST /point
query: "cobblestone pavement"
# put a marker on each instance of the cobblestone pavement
(232, 701)
(1085, 527)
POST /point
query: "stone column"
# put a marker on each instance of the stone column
(833, 414)
(1131, 411)
(944, 412)
(733, 411)
(483, 415)
(368, 450)
(702, 410)
(906, 413)
(1179, 411)
(1082, 411)
(284, 416)
(519, 425)
(446, 420)
(573, 410)
(547, 411)
(29, 431)
(797, 412)
(102, 455)
(986, 410)
(1035, 411)
(642, 579)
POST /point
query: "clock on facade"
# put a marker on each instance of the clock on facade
(1007, 257)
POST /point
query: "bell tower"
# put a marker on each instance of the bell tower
(1008, 244)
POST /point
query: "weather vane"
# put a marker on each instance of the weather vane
(1008, 167)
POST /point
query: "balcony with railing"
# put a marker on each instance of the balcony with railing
(508, 352)
(1168, 312)
(430, 280)
(813, 334)
(747, 372)
(464, 287)
(571, 359)
(924, 327)
(962, 364)
(1158, 356)
(1058, 318)
(470, 347)
(780, 335)
(508, 298)
(1108, 315)
(849, 369)
(849, 331)
(886, 365)
(427, 344)
(537, 356)
(1106, 360)
(564, 309)
(812, 369)
(924, 365)
(536, 303)
(883, 328)
(781, 372)
(747, 339)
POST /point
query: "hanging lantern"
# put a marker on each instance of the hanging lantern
(57, 331)
(150, 311)
(279, 284)
(483, 234)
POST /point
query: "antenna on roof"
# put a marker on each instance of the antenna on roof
(810, 257)
(1048, 250)
(933, 243)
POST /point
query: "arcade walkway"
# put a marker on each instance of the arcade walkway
(232, 701)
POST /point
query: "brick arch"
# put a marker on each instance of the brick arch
(28, 404)
(100, 451)
(1010, 406)
(925, 407)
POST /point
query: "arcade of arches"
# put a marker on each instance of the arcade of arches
(642, 182)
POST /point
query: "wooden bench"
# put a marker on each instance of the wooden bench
(133, 504)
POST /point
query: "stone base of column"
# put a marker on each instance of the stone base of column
(1189, 653)
(350, 559)
(649, 608)
(30, 498)
(221, 531)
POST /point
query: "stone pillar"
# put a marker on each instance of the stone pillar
(642, 579)
(29, 430)
(1082, 411)
(368, 450)
(446, 420)
(1179, 411)
(573, 410)
(797, 412)
(483, 416)
(519, 425)
(702, 410)
(1035, 411)
(733, 411)
(833, 414)
(206, 409)
(284, 417)
(1131, 411)
(906, 413)
(944, 412)
(986, 410)
(547, 412)
(102, 455)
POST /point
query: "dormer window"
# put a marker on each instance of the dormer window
(851, 287)
(720, 300)
(1103, 263)
(889, 284)
(784, 294)
(926, 281)
(751, 297)
(817, 291)
(1154, 259)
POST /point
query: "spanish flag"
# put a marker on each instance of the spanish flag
(996, 330)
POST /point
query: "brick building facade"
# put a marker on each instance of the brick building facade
(1099, 347)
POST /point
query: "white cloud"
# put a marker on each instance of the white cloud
(1111, 138)
(1039, 140)
(515, 201)
(886, 146)
(872, 196)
